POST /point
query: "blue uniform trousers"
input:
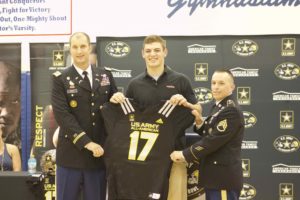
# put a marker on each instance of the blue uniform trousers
(211, 194)
(70, 182)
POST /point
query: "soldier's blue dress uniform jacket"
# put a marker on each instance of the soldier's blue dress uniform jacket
(219, 149)
(76, 108)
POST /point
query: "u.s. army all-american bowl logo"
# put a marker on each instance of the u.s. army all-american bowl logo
(287, 71)
(117, 49)
(244, 47)
(286, 191)
(286, 144)
(203, 95)
(248, 192)
(250, 119)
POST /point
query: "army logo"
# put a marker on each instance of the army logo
(288, 46)
(286, 144)
(201, 71)
(244, 95)
(203, 95)
(131, 117)
(286, 191)
(244, 47)
(287, 71)
(73, 103)
(250, 119)
(248, 192)
(222, 125)
(286, 119)
(117, 49)
(246, 167)
(58, 59)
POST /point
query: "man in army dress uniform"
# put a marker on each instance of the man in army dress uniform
(219, 149)
(77, 95)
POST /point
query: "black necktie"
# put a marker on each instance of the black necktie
(86, 80)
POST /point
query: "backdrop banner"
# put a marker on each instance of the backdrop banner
(266, 71)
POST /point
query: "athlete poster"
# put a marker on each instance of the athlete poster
(10, 94)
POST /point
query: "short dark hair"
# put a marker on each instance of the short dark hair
(155, 38)
(225, 70)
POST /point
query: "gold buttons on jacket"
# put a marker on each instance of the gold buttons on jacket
(73, 104)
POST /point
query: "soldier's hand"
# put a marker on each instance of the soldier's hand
(196, 106)
(117, 97)
(198, 117)
(95, 148)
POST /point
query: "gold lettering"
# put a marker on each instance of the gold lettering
(38, 139)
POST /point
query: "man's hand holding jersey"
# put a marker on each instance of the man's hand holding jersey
(117, 97)
(177, 156)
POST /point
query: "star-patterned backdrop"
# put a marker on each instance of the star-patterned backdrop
(266, 71)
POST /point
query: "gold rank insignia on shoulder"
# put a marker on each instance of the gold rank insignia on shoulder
(230, 103)
(57, 73)
(222, 125)
(73, 104)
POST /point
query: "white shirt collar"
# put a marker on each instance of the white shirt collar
(80, 71)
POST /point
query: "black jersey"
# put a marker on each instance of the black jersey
(138, 147)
